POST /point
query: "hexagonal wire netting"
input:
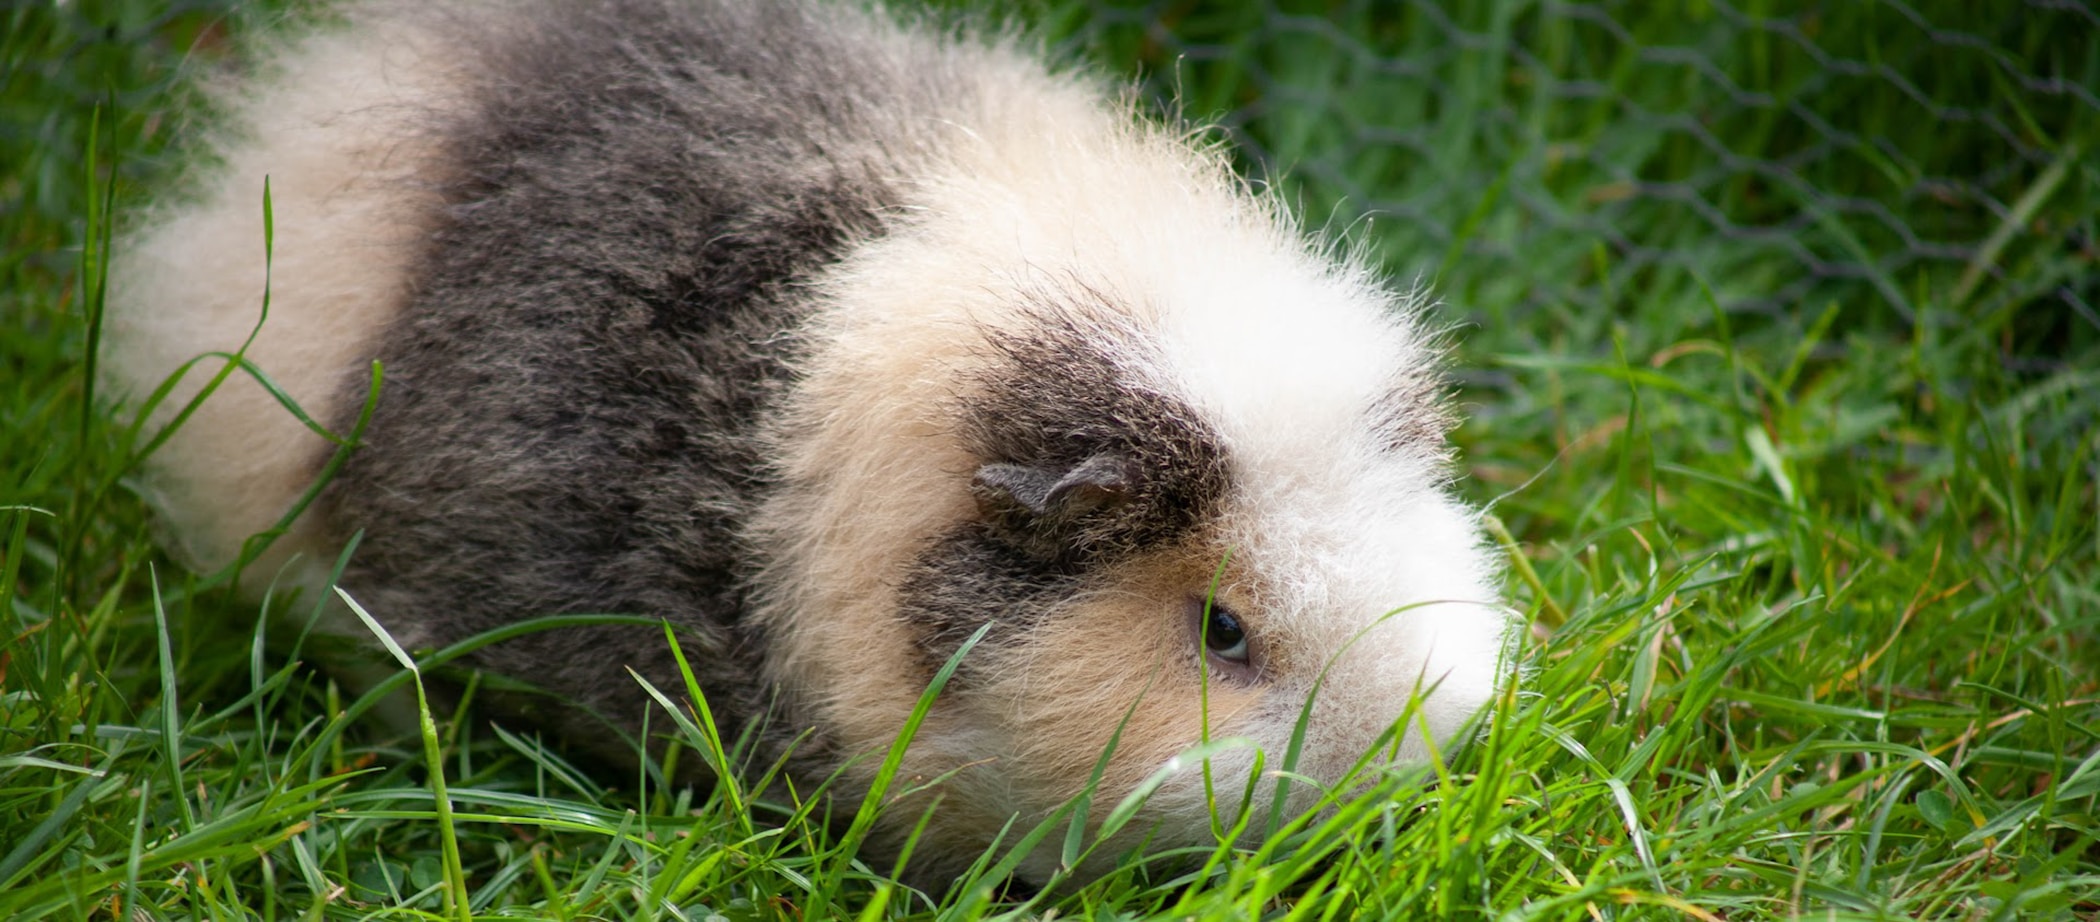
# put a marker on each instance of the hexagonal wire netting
(1898, 163)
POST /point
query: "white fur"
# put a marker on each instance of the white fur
(330, 128)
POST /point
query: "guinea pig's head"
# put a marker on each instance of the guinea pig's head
(1186, 535)
(1184, 477)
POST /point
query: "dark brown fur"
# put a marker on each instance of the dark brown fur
(570, 420)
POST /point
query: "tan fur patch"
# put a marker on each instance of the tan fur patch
(1126, 650)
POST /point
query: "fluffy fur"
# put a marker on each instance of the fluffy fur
(829, 341)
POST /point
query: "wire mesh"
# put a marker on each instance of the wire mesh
(1898, 163)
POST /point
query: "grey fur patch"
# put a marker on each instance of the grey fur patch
(636, 192)
(969, 577)
(1058, 416)
(1065, 392)
(1413, 415)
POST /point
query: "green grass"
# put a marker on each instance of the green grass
(1783, 378)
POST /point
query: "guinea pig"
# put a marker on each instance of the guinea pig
(833, 339)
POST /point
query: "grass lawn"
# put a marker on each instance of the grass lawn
(1780, 343)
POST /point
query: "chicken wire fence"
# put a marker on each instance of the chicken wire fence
(1894, 163)
(1544, 164)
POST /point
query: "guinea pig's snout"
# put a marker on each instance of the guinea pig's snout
(1389, 683)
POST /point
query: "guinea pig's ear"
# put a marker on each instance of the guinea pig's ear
(1039, 509)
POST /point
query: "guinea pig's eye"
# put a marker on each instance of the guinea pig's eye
(1223, 636)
